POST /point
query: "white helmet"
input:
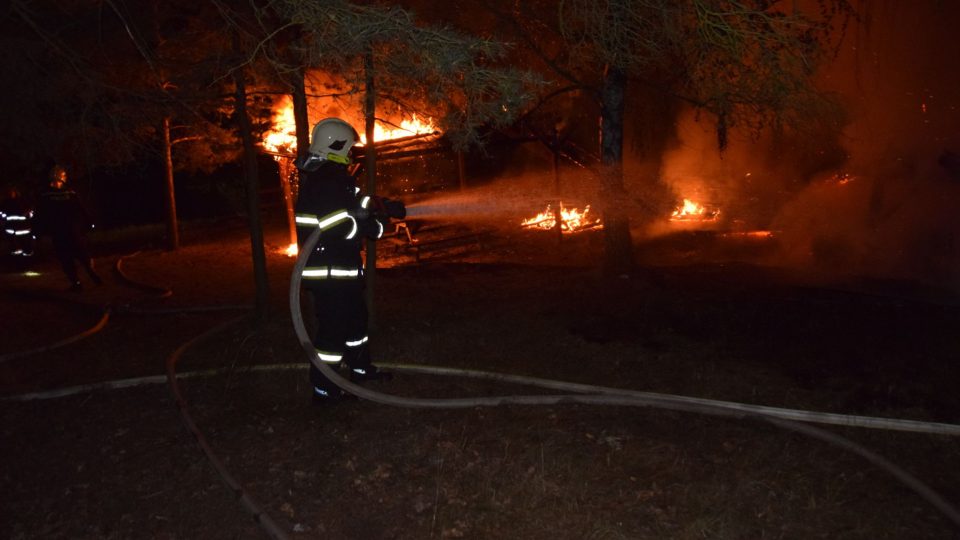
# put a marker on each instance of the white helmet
(331, 140)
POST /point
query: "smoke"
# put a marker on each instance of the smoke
(877, 200)
(880, 226)
(896, 215)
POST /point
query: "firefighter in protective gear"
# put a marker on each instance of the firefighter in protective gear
(61, 216)
(16, 217)
(329, 200)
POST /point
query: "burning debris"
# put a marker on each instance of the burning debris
(572, 220)
(692, 211)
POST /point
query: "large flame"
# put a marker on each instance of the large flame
(407, 128)
(282, 137)
(571, 220)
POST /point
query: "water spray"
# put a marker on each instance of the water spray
(497, 203)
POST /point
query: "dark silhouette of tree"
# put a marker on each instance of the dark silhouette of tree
(104, 85)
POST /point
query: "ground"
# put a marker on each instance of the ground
(119, 462)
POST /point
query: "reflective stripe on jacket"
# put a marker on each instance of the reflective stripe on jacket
(331, 272)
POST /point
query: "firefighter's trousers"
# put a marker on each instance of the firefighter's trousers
(341, 337)
(70, 250)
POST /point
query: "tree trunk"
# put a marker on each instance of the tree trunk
(173, 226)
(558, 208)
(618, 246)
(253, 198)
(286, 168)
(300, 117)
(370, 162)
(301, 120)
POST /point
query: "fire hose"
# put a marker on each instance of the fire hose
(63, 342)
(108, 310)
(783, 418)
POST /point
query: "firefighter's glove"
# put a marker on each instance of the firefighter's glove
(360, 213)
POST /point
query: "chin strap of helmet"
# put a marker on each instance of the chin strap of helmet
(311, 162)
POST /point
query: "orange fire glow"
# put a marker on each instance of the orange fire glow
(692, 211)
(571, 220)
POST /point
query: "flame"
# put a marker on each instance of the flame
(571, 220)
(413, 126)
(292, 250)
(282, 137)
(691, 211)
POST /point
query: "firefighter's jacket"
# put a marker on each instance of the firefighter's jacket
(16, 217)
(329, 200)
(61, 215)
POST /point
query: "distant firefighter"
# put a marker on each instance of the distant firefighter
(62, 217)
(16, 217)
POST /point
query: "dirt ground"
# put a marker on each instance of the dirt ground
(118, 462)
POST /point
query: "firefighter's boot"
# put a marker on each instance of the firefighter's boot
(324, 391)
(361, 368)
(369, 373)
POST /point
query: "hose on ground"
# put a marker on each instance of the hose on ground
(243, 496)
(161, 292)
(643, 400)
(266, 523)
(63, 342)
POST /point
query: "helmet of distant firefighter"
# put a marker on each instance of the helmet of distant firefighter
(331, 140)
(58, 176)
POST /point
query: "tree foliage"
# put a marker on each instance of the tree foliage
(450, 76)
(750, 63)
(100, 77)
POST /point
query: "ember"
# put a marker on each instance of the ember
(571, 220)
(691, 211)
